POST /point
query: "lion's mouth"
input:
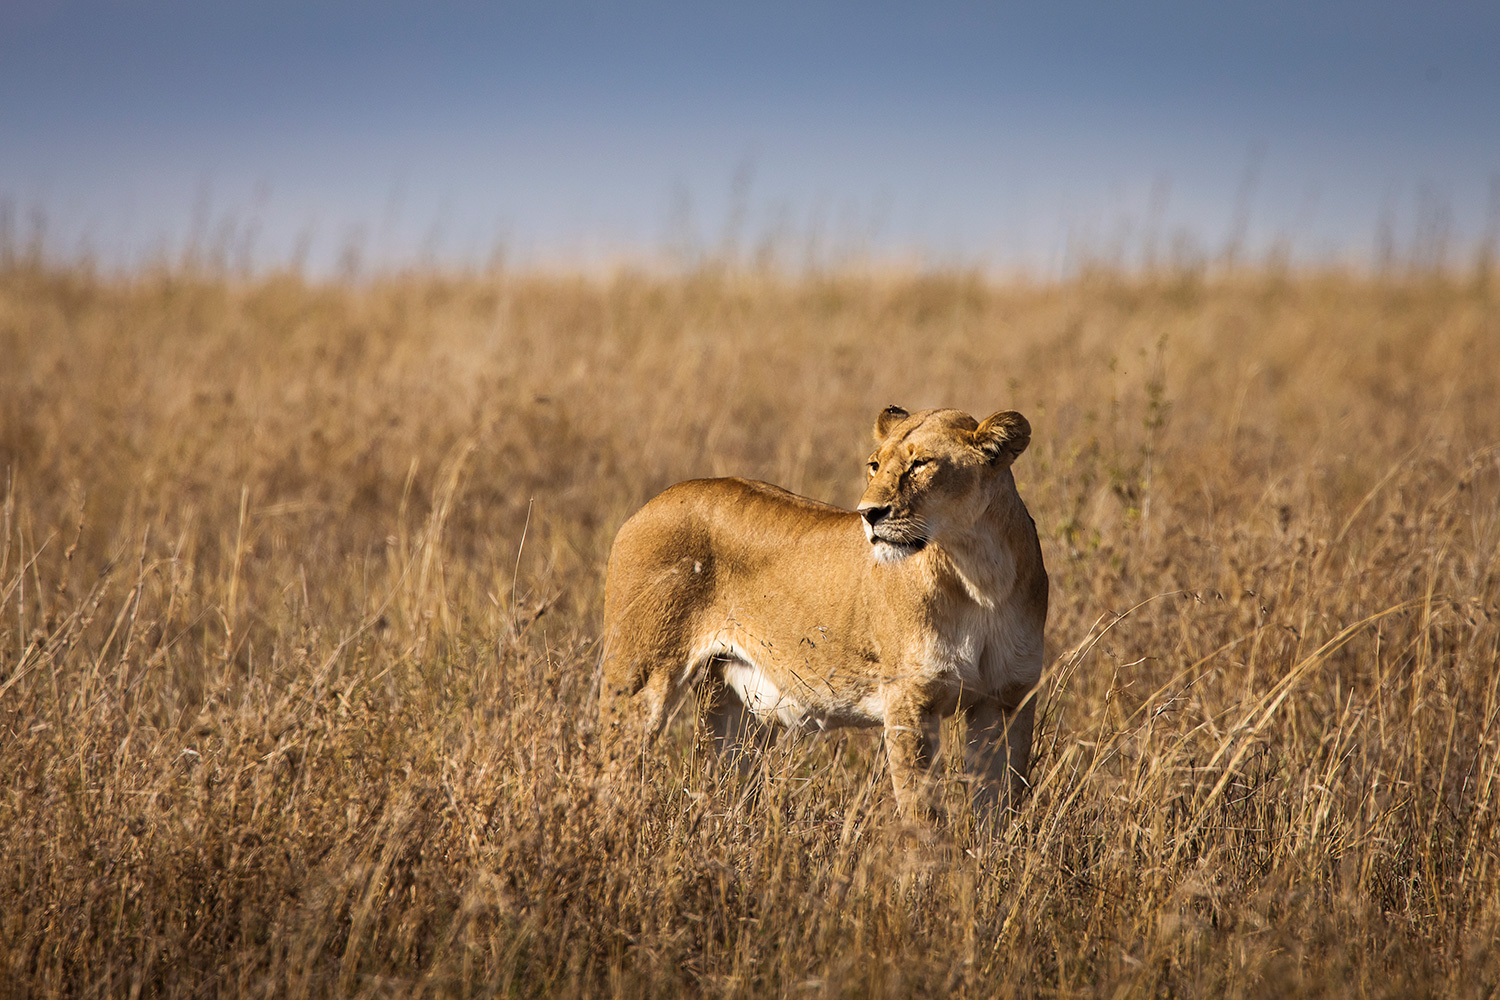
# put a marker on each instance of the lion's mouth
(893, 546)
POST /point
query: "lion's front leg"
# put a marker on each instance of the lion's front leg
(997, 751)
(911, 743)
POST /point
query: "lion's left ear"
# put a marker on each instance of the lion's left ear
(887, 421)
(1003, 436)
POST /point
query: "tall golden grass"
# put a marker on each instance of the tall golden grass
(300, 589)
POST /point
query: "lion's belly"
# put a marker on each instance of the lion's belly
(801, 698)
(833, 676)
(763, 697)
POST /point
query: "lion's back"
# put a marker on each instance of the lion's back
(739, 515)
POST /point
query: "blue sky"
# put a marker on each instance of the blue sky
(1021, 134)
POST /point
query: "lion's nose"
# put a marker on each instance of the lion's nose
(874, 515)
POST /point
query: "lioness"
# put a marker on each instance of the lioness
(931, 598)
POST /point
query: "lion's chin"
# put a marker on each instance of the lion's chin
(893, 552)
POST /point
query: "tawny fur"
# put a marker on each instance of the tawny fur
(929, 599)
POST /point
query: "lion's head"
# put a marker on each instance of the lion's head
(933, 473)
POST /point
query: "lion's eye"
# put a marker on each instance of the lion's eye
(874, 467)
(918, 463)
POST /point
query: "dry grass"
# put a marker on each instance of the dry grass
(299, 588)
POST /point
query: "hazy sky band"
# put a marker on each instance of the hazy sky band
(999, 132)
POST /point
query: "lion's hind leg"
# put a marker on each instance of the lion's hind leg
(648, 661)
(640, 691)
(726, 726)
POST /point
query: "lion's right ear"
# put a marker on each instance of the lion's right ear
(1003, 436)
(887, 421)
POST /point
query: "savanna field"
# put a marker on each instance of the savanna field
(301, 585)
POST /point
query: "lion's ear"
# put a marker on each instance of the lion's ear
(887, 421)
(1003, 436)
